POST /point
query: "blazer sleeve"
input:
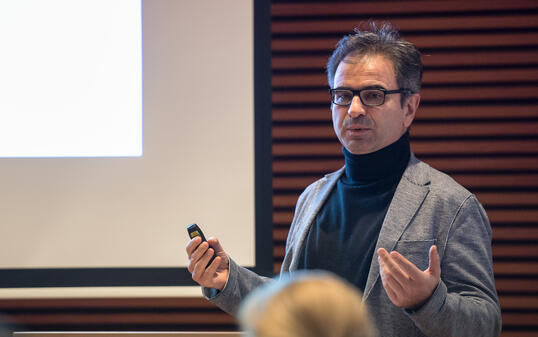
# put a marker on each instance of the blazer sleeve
(465, 302)
(241, 282)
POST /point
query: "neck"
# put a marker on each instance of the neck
(386, 162)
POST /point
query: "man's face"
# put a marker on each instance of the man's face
(364, 129)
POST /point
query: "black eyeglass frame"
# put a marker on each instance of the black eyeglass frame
(358, 93)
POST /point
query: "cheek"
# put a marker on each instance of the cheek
(394, 119)
(337, 119)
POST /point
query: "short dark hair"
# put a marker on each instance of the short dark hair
(386, 41)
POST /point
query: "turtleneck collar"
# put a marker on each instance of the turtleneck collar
(384, 163)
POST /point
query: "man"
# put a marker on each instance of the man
(437, 279)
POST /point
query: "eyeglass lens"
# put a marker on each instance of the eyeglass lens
(371, 97)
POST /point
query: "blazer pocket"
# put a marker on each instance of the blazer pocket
(416, 251)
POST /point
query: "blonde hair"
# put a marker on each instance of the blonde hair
(306, 304)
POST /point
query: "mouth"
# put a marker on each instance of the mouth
(357, 128)
(357, 131)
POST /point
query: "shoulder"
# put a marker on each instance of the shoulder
(447, 204)
(318, 190)
(326, 182)
(442, 187)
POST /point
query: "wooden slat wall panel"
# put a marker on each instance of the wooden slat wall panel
(478, 121)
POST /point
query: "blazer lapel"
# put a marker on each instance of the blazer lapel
(408, 198)
(321, 193)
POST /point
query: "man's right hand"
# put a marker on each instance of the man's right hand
(216, 274)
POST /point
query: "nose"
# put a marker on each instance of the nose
(356, 108)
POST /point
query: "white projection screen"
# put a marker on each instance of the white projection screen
(122, 122)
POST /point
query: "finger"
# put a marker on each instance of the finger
(211, 270)
(386, 262)
(192, 244)
(407, 266)
(199, 251)
(191, 266)
(382, 252)
(392, 269)
(215, 244)
(219, 251)
(390, 280)
(435, 262)
(196, 255)
(382, 256)
(200, 266)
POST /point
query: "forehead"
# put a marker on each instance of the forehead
(355, 71)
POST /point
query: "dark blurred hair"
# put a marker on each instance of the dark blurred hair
(386, 41)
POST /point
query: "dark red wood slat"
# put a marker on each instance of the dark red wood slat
(516, 233)
(520, 318)
(483, 164)
(518, 333)
(518, 302)
(396, 7)
(516, 285)
(478, 58)
(280, 234)
(431, 24)
(522, 199)
(515, 251)
(284, 200)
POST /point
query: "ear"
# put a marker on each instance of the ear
(410, 108)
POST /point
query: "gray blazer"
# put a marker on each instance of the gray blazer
(428, 208)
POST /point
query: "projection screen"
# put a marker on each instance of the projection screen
(123, 122)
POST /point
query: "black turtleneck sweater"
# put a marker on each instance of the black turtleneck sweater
(343, 235)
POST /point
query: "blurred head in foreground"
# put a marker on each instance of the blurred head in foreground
(306, 304)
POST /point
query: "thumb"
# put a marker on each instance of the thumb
(435, 262)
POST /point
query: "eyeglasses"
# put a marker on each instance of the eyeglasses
(368, 96)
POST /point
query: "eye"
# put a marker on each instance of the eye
(342, 96)
(373, 96)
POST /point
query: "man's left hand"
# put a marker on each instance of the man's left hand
(405, 284)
